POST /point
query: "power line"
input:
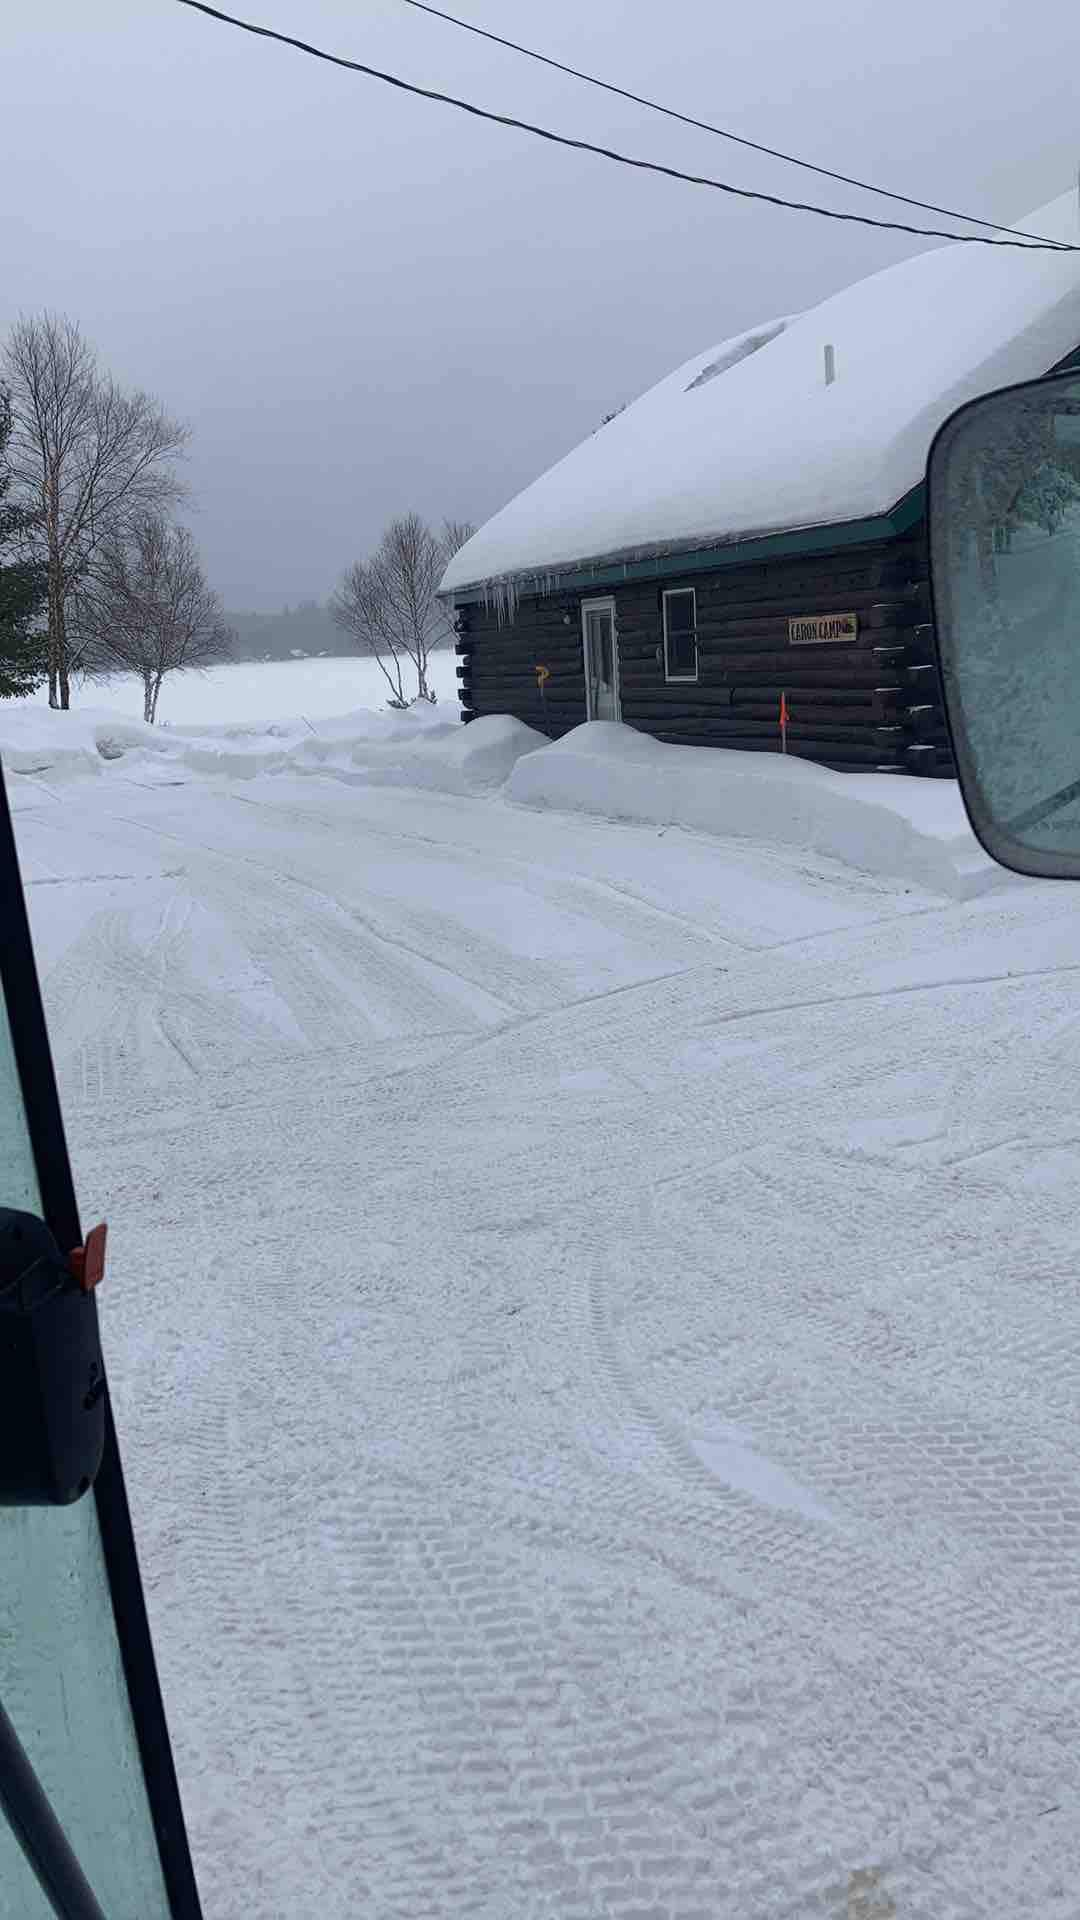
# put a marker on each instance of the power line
(705, 126)
(609, 153)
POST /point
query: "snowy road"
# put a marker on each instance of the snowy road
(595, 1320)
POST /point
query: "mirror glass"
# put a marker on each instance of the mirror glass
(1004, 521)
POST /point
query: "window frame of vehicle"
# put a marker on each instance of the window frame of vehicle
(21, 994)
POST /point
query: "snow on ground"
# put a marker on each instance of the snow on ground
(906, 827)
(256, 690)
(426, 746)
(594, 1323)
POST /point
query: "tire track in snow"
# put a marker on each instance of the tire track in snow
(551, 1605)
(361, 931)
(597, 895)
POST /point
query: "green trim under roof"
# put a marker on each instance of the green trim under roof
(735, 553)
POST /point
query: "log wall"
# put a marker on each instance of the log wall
(871, 704)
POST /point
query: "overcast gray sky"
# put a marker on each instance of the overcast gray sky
(364, 303)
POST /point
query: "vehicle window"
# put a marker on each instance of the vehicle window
(61, 1679)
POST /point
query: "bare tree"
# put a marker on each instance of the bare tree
(453, 535)
(387, 604)
(90, 458)
(357, 608)
(146, 608)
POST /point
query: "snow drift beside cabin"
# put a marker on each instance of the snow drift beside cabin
(914, 830)
(766, 446)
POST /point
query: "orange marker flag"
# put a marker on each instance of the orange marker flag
(783, 722)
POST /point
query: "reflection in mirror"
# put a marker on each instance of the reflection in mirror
(1004, 512)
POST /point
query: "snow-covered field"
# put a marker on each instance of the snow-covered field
(253, 690)
(593, 1313)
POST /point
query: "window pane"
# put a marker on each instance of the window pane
(600, 646)
(680, 612)
(61, 1679)
(682, 654)
(680, 634)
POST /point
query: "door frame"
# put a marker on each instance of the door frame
(603, 603)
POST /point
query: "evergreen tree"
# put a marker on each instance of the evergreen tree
(1046, 498)
(23, 588)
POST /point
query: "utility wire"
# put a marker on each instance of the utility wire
(609, 153)
(705, 126)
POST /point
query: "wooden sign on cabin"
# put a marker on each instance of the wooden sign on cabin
(839, 629)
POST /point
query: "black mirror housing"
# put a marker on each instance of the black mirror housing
(52, 1377)
(1003, 512)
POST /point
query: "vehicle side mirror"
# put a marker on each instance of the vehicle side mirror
(1003, 508)
(52, 1379)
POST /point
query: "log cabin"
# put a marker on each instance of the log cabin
(739, 558)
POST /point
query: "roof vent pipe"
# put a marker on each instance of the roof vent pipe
(830, 365)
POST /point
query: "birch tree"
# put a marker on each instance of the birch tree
(90, 458)
(146, 608)
(387, 604)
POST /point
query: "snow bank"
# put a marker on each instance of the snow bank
(906, 828)
(35, 740)
(901, 827)
(765, 445)
(426, 746)
(442, 755)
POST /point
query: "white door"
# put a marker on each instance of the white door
(601, 648)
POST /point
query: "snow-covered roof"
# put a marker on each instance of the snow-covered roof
(749, 439)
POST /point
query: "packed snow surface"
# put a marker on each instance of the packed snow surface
(766, 445)
(594, 1322)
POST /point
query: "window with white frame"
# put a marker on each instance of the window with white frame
(680, 634)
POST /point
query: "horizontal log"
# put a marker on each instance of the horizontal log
(925, 718)
(744, 630)
(517, 647)
(492, 667)
(768, 672)
(924, 675)
(868, 710)
(709, 695)
(498, 699)
(689, 693)
(886, 692)
(766, 664)
(641, 655)
(558, 687)
(870, 704)
(807, 712)
(934, 761)
(869, 566)
(495, 667)
(724, 727)
(726, 593)
(727, 728)
(829, 753)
